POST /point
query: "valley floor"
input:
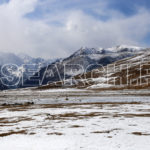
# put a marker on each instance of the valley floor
(74, 121)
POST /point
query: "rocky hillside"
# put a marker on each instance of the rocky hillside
(128, 73)
(133, 72)
(114, 71)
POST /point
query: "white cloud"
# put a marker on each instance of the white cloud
(41, 38)
(13, 25)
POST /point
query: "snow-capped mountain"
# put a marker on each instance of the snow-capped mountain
(23, 63)
(10, 58)
(128, 73)
(125, 48)
(85, 51)
(83, 60)
(25, 58)
(20, 59)
(97, 51)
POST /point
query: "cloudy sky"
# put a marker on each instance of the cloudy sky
(56, 28)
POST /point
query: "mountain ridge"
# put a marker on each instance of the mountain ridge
(83, 60)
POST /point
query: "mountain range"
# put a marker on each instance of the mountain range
(70, 70)
(128, 73)
(12, 65)
(82, 61)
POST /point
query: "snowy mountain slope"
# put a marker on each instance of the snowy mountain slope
(24, 64)
(85, 51)
(83, 60)
(125, 48)
(10, 58)
(130, 72)
(20, 59)
(31, 60)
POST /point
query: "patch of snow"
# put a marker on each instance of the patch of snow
(100, 85)
(121, 47)
(102, 131)
(63, 90)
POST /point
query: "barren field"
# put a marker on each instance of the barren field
(69, 123)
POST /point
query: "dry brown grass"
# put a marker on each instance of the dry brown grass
(77, 105)
(55, 133)
(13, 132)
(74, 116)
(140, 133)
(143, 110)
(107, 131)
(32, 133)
(131, 115)
(78, 115)
(11, 120)
(76, 126)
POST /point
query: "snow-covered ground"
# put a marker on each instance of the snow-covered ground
(100, 123)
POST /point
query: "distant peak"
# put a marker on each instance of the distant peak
(85, 51)
(83, 48)
(125, 47)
